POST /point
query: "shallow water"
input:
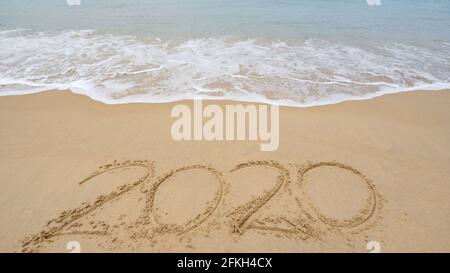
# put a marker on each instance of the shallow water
(287, 52)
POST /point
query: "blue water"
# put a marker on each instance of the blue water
(301, 52)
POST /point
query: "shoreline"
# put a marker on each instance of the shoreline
(338, 98)
(396, 145)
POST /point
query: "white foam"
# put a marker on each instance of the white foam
(127, 69)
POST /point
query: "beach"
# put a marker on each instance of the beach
(112, 178)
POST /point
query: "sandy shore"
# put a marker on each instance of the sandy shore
(344, 175)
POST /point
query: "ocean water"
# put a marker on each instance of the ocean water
(288, 52)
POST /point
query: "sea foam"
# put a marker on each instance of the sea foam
(118, 69)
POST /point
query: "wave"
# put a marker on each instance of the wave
(117, 69)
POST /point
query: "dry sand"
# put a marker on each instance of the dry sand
(112, 178)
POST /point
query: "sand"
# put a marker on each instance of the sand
(110, 178)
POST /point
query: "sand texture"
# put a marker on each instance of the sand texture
(112, 178)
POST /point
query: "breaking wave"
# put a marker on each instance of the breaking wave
(125, 69)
